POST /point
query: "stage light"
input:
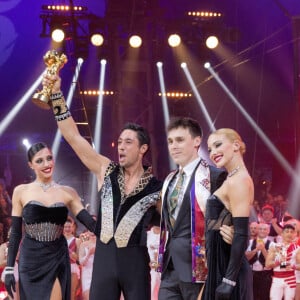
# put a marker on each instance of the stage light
(159, 64)
(96, 92)
(207, 65)
(26, 143)
(176, 95)
(212, 42)
(204, 14)
(97, 39)
(135, 41)
(174, 40)
(57, 35)
(62, 8)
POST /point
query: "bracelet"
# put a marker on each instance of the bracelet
(60, 108)
(8, 271)
(228, 281)
(63, 116)
(56, 96)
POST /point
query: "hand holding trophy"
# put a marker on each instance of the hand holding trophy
(54, 62)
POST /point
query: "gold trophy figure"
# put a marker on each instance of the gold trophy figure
(54, 62)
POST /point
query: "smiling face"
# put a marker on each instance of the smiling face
(263, 230)
(129, 149)
(183, 148)
(43, 164)
(221, 150)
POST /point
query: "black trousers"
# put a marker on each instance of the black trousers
(120, 269)
(171, 288)
(262, 281)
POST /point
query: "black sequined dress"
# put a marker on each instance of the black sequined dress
(44, 252)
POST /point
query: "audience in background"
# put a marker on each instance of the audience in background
(73, 244)
(267, 216)
(253, 228)
(153, 245)
(279, 258)
(5, 210)
(86, 259)
(272, 215)
(256, 254)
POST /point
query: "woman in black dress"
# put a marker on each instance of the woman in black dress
(44, 267)
(229, 274)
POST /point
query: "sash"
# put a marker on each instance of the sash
(199, 193)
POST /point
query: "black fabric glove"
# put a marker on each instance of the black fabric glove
(86, 219)
(224, 291)
(238, 248)
(13, 247)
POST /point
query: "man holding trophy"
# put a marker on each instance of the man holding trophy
(54, 62)
(128, 196)
(280, 259)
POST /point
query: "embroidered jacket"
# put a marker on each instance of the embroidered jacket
(126, 218)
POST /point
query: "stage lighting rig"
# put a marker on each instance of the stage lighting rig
(72, 24)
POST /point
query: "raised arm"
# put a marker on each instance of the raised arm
(95, 162)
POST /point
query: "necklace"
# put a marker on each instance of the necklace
(46, 186)
(231, 173)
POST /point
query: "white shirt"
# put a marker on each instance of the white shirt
(188, 171)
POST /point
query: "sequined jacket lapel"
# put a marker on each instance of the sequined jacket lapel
(124, 219)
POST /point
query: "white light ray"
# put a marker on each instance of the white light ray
(164, 104)
(284, 163)
(98, 131)
(15, 110)
(198, 97)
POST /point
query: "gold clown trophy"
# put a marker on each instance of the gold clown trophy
(54, 62)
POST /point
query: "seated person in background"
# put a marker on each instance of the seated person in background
(153, 245)
(267, 214)
(86, 259)
(279, 258)
(253, 228)
(73, 245)
(256, 254)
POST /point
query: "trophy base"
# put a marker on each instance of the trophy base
(41, 101)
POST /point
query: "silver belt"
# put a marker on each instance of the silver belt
(44, 232)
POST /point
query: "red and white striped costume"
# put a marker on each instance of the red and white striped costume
(284, 280)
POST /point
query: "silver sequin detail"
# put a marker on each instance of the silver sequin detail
(44, 232)
(107, 222)
(133, 217)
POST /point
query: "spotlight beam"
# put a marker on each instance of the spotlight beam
(164, 103)
(98, 131)
(12, 114)
(198, 97)
(284, 163)
(56, 142)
